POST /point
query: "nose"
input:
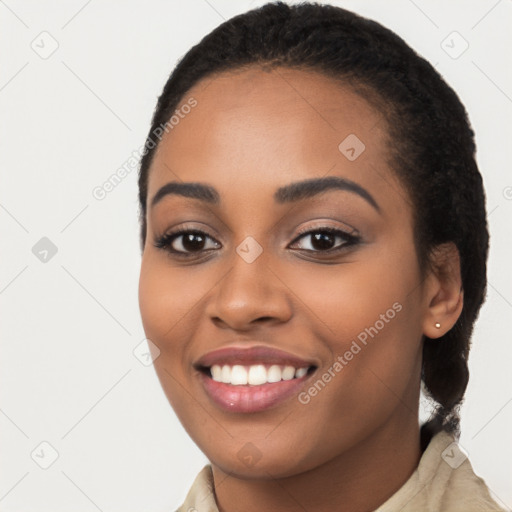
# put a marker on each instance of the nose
(248, 295)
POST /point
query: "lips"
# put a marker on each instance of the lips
(239, 379)
(251, 356)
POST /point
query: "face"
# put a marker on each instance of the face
(287, 318)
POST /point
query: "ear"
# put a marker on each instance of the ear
(444, 296)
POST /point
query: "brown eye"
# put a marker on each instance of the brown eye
(185, 242)
(192, 242)
(326, 239)
(323, 241)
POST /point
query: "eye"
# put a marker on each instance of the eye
(186, 242)
(194, 242)
(327, 239)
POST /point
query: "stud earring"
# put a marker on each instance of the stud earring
(438, 325)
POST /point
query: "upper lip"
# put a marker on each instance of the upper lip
(259, 354)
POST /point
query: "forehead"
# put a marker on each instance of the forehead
(263, 129)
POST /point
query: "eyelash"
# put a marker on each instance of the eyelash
(165, 241)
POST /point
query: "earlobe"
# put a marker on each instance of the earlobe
(445, 296)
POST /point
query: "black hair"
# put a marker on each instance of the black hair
(432, 149)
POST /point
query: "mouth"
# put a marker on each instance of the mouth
(254, 375)
(252, 379)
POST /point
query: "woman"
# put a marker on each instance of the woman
(314, 245)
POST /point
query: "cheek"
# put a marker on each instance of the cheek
(166, 306)
(165, 298)
(153, 301)
(353, 299)
(165, 311)
(368, 317)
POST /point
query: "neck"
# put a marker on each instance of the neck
(358, 480)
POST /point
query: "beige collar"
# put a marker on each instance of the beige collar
(444, 481)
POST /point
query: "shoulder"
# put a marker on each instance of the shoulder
(201, 496)
(444, 481)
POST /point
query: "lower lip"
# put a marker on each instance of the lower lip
(251, 398)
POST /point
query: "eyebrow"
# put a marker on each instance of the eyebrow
(286, 194)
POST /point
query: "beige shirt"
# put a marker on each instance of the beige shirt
(444, 481)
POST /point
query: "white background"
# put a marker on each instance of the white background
(68, 375)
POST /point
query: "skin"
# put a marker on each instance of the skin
(252, 132)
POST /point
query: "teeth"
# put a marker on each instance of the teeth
(238, 375)
(226, 374)
(274, 374)
(254, 375)
(288, 373)
(257, 375)
(301, 372)
(216, 373)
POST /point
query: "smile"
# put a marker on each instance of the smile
(238, 375)
(245, 380)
